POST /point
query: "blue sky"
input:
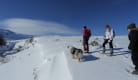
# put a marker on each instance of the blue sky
(72, 15)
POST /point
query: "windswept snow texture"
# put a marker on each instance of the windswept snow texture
(49, 59)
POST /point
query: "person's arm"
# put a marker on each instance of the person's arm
(132, 39)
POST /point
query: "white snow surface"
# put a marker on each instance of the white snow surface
(49, 59)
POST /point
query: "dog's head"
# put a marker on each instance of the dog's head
(69, 47)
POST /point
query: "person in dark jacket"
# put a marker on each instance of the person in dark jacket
(133, 45)
(86, 36)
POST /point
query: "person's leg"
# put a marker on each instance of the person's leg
(111, 44)
(105, 42)
(134, 58)
(84, 43)
(87, 45)
(111, 47)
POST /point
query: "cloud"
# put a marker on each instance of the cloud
(36, 27)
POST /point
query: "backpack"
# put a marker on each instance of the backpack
(113, 33)
(89, 32)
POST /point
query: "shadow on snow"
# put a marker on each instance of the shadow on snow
(117, 51)
(90, 58)
(122, 53)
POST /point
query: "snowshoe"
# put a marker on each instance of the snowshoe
(3, 56)
(135, 72)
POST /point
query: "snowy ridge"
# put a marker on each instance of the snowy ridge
(9, 35)
(53, 63)
(60, 63)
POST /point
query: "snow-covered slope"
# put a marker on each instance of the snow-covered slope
(9, 35)
(49, 59)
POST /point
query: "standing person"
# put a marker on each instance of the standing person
(86, 36)
(133, 45)
(108, 38)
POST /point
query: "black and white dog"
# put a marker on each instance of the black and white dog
(76, 53)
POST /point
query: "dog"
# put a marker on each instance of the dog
(76, 53)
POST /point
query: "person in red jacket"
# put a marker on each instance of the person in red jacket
(86, 36)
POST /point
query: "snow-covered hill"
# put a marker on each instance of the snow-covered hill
(9, 35)
(49, 59)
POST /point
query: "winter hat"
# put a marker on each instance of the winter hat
(84, 27)
(131, 26)
(107, 26)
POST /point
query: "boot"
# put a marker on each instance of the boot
(135, 72)
(84, 48)
(87, 50)
(103, 50)
(111, 52)
(3, 56)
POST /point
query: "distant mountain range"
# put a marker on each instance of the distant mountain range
(10, 35)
